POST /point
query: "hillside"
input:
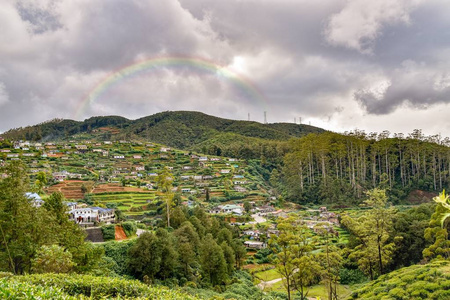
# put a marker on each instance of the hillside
(431, 281)
(182, 129)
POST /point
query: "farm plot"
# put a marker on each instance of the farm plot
(129, 203)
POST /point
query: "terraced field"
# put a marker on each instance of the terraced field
(71, 189)
(128, 202)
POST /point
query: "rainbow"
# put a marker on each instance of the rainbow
(123, 73)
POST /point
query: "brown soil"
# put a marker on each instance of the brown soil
(119, 233)
(71, 189)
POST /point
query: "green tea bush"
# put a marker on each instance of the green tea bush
(24, 290)
(97, 287)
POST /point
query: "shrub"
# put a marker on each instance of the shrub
(350, 276)
(96, 287)
(23, 290)
(129, 227)
(52, 259)
(109, 232)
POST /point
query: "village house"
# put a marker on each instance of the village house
(203, 158)
(240, 189)
(137, 157)
(119, 156)
(92, 214)
(255, 245)
(237, 182)
(81, 147)
(253, 233)
(35, 199)
(225, 171)
(198, 177)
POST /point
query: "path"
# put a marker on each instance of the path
(263, 284)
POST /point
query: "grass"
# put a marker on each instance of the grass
(315, 291)
(268, 275)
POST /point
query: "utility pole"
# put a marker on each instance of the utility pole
(265, 117)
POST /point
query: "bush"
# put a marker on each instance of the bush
(95, 287)
(129, 227)
(52, 259)
(23, 290)
(350, 276)
(109, 232)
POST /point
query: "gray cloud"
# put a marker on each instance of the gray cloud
(325, 61)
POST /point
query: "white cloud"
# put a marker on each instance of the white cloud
(360, 22)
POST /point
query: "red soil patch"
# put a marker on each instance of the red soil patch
(119, 233)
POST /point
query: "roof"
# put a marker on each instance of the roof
(33, 196)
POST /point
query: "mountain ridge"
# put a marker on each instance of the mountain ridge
(183, 129)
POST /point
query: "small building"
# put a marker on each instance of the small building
(35, 198)
(255, 245)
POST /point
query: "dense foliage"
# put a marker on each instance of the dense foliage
(337, 169)
(431, 281)
(25, 228)
(63, 286)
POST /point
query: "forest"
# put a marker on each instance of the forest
(337, 169)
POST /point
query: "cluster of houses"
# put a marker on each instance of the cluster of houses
(80, 213)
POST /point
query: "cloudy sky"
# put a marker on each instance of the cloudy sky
(338, 64)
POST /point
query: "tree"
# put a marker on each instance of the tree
(165, 185)
(292, 255)
(373, 231)
(247, 207)
(330, 261)
(52, 259)
(436, 234)
(145, 256)
(212, 261)
(41, 181)
(23, 227)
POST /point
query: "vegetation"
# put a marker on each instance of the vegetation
(336, 169)
(431, 281)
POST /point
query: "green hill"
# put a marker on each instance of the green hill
(182, 129)
(431, 281)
